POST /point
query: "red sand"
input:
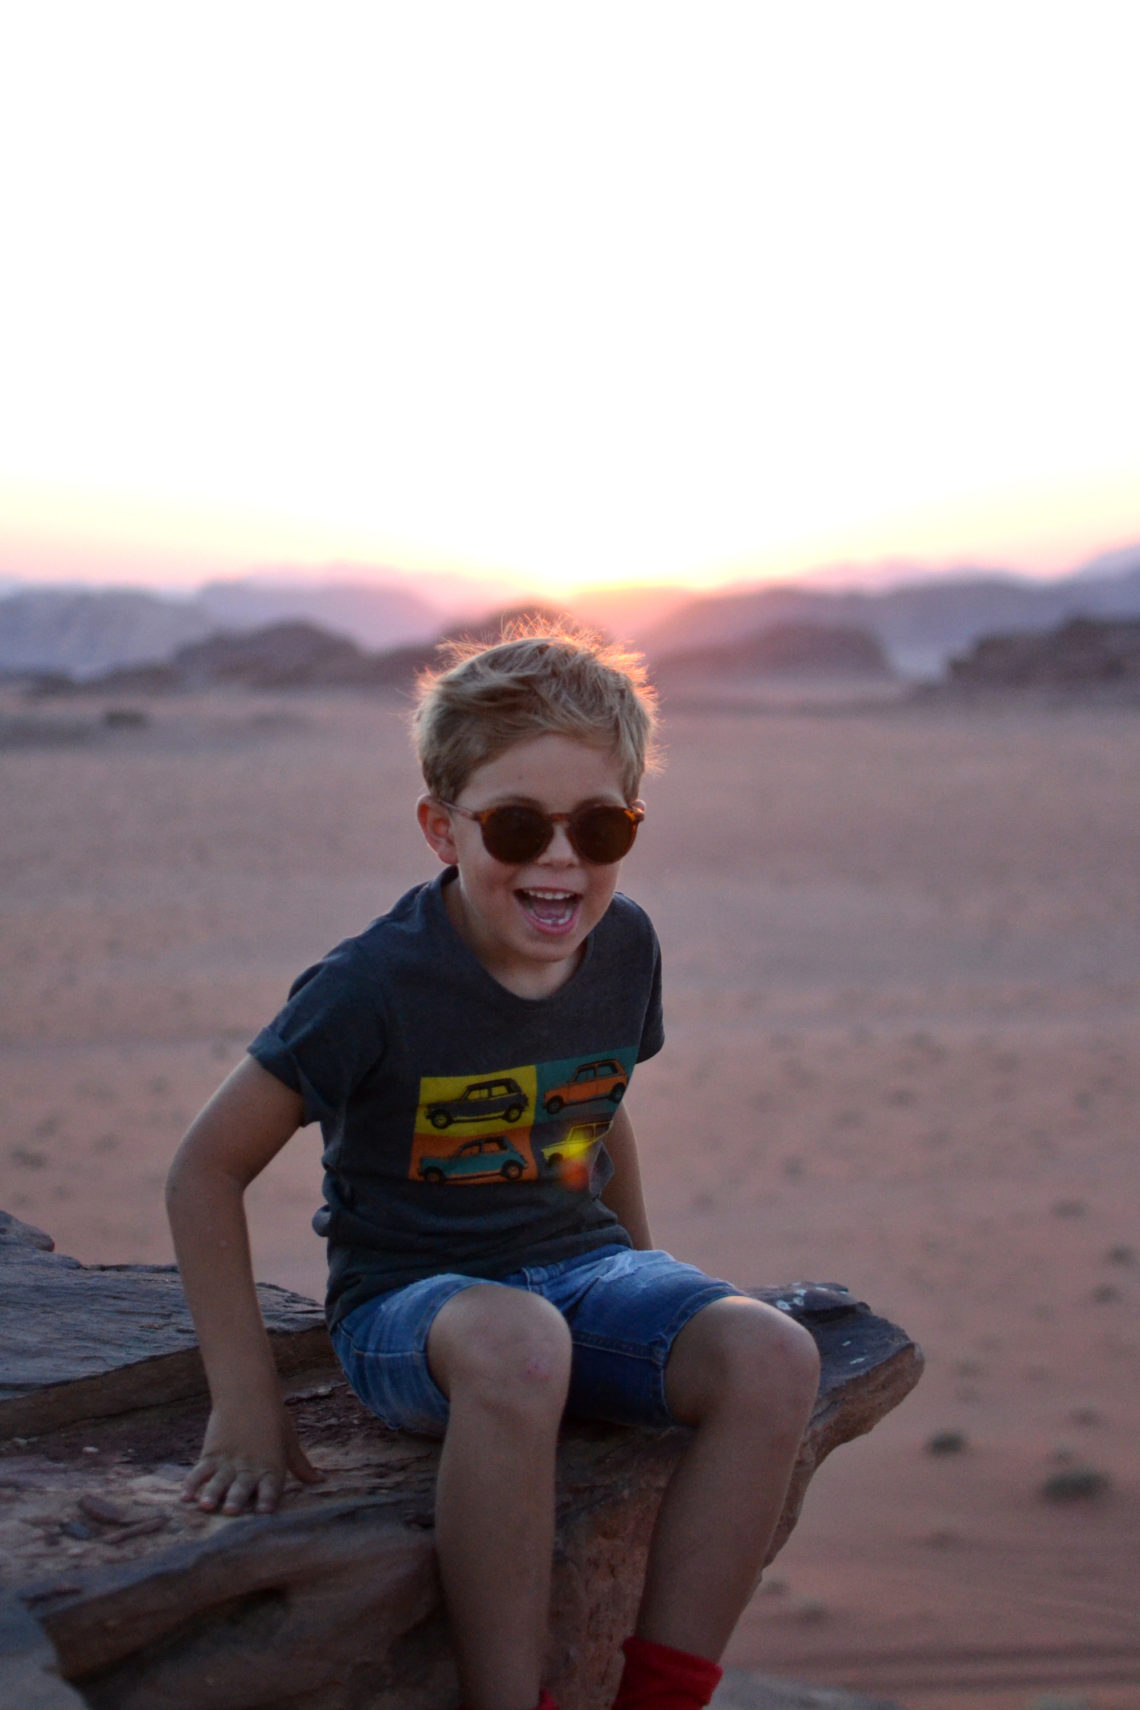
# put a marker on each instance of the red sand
(903, 983)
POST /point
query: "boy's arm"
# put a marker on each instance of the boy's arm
(250, 1443)
(623, 1192)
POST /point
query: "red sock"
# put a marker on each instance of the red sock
(657, 1677)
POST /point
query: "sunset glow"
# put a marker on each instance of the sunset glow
(625, 294)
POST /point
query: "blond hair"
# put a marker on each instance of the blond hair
(540, 678)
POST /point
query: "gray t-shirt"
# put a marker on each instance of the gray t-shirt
(463, 1125)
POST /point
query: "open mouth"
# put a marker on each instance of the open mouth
(551, 911)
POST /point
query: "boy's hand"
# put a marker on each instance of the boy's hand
(246, 1460)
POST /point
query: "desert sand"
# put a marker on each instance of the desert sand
(902, 951)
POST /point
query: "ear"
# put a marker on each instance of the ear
(435, 823)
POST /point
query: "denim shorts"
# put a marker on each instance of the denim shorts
(624, 1309)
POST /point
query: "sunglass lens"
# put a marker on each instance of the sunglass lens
(516, 834)
(603, 834)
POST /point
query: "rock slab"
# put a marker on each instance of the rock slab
(88, 1341)
(333, 1603)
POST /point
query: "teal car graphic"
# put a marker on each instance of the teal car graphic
(480, 1101)
(476, 1160)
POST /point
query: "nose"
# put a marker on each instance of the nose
(560, 849)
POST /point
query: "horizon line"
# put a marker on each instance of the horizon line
(867, 575)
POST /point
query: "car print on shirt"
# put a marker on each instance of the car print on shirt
(603, 1078)
(476, 1160)
(479, 1101)
(576, 1140)
(570, 1157)
(520, 1122)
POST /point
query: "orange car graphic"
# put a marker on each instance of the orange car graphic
(604, 1078)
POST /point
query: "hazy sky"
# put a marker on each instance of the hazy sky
(577, 292)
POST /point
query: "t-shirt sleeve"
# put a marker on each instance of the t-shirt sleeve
(327, 1037)
(653, 1031)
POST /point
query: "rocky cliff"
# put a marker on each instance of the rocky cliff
(1084, 653)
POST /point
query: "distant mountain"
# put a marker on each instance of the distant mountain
(375, 614)
(782, 650)
(1084, 653)
(286, 655)
(920, 624)
(1122, 562)
(298, 655)
(84, 631)
(449, 595)
(289, 655)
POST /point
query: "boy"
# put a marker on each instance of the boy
(490, 1263)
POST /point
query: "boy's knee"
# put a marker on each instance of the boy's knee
(502, 1349)
(744, 1355)
(799, 1363)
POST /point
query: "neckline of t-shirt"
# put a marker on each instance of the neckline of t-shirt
(435, 889)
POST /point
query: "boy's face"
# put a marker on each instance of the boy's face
(527, 924)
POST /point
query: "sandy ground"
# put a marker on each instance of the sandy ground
(903, 986)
